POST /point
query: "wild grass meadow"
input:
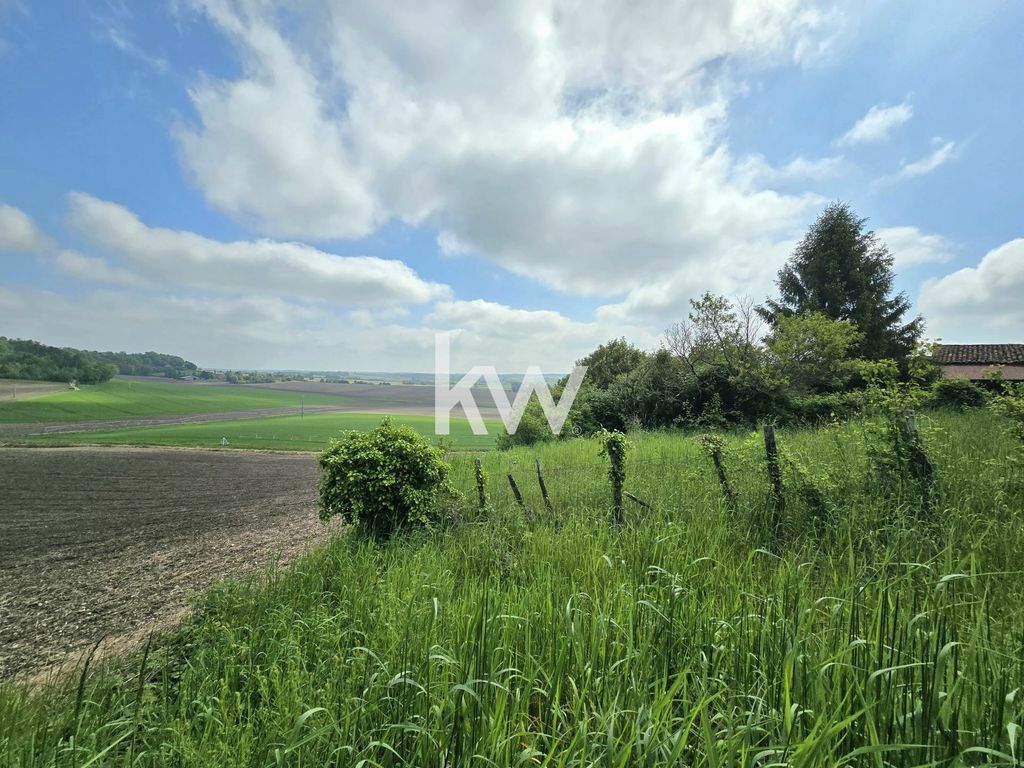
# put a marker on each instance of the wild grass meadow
(865, 630)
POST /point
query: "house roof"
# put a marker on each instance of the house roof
(979, 354)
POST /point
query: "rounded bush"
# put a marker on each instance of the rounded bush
(533, 428)
(957, 393)
(383, 480)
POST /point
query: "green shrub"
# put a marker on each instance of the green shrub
(1010, 405)
(533, 428)
(383, 480)
(958, 394)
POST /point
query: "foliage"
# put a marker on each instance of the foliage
(958, 394)
(814, 409)
(837, 310)
(713, 445)
(148, 364)
(1009, 404)
(383, 480)
(574, 642)
(843, 271)
(533, 428)
(615, 446)
(23, 359)
(811, 352)
(903, 469)
(610, 360)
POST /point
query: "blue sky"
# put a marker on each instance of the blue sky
(251, 186)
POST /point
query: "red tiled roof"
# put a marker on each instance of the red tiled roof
(979, 354)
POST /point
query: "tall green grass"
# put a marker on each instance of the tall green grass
(865, 636)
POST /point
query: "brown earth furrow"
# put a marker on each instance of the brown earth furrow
(111, 542)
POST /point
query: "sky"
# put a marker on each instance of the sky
(327, 185)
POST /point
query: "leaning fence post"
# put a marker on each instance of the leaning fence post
(515, 491)
(639, 501)
(480, 485)
(714, 446)
(771, 449)
(543, 487)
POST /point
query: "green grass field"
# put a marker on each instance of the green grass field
(311, 432)
(868, 633)
(120, 399)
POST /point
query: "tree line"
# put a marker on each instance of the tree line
(25, 359)
(806, 355)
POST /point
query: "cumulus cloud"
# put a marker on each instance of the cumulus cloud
(910, 246)
(580, 145)
(489, 333)
(263, 267)
(19, 233)
(979, 304)
(877, 124)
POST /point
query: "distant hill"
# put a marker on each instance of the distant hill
(24, 359)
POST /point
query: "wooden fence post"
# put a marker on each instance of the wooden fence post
(639, 501)
(543, 487)
(515, 491)
(480, 485)
(714, 446)
(771, 449)
(617, 478)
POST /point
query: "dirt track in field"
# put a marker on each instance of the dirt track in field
(112, 542)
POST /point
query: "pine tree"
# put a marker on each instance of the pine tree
(843, 271)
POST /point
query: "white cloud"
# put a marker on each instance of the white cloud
(757, 170)
(228, 332)
(269, 149)
(910, 246)
(118, 36)
(18, 233)
(489, 333)
(979, 304)
(262, 267)
(94, 269)
(877, 124)
(945, 151)
(751, 273)
(581, 145)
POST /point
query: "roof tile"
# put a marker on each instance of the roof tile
(979, 354)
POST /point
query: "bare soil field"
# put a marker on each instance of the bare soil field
(112, 542)
(14, 389)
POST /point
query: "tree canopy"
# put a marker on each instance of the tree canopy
(24, 359)
(843, 271)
